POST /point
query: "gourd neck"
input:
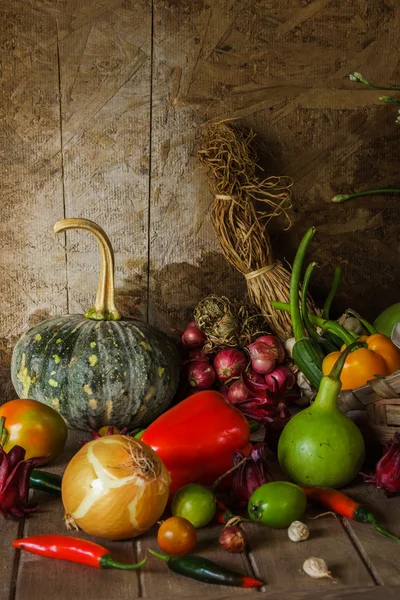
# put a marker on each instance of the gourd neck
(104, 308)
(330, 386)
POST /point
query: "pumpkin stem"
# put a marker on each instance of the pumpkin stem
(104, 309)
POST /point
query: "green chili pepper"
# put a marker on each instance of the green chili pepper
(202, 569)
(46, 482)
(323, 344)
(306, 352)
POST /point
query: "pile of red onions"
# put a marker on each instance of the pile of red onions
(254, 379)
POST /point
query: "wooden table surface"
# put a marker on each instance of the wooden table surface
(364, 564)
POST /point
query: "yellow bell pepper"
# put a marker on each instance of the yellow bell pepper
(381, 357)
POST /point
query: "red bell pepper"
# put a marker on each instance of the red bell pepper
(196, 438)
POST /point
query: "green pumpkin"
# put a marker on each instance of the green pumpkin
(99, 368)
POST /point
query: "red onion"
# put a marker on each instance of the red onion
(253, 473)
(198, 354)
(280, 380)
(193, 337)
(273, 432)
(276, 346)
(261, 409)
(387, 472)
(200, 374)
(229, 363)
(254, 382)
(233, 538)
(224, 391)
(262, 357)
(237, 392)
(192, 324)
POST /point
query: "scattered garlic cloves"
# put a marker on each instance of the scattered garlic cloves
(316, 568)
(298, 531)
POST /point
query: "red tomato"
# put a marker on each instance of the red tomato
(35, 426)
(177, 536)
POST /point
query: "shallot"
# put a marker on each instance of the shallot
(198, 354)
(387, 472)
(237, 391)
(262, 357)
(280, 380)
(233, 538)
(254, 382)
(250, 475)
(229, 363)
(193, 337)
(200, 374)
(276, 346)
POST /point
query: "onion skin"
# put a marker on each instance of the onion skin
(118, 511)
(229, 363)
(200, 374)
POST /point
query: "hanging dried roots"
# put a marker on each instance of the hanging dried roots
(241, 229)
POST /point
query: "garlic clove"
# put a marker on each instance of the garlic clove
(298, 532)
(316, 568)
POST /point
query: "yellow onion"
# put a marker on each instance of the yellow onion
(115, 487)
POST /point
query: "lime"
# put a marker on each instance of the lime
(196, 503)
(277, 504)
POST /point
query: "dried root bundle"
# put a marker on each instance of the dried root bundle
(242, 229)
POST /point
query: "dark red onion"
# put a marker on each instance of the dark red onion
(198, 354)
(273, 432)
(224, 391)
(261, 409)
(280, 380)
(254, 382)
(229, 363)
(262, 357)
(233, 538)
(193, 337)
(253, 473)
(237, 392)
(200, 374)
(192, 324)
(276, 346)
(387, 472)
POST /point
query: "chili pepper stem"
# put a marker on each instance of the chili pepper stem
(373, 522)
(342, 197)
(159, 555)
(107, 562)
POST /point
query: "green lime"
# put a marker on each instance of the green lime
(277, 504)
(196, 503)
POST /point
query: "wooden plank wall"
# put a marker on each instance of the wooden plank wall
(101, 107)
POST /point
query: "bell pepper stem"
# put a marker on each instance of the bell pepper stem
(335, 284)
(342, 197)
(159, 555)
(370, 328)
(299, 331)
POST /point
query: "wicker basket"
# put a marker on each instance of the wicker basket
(375, 407)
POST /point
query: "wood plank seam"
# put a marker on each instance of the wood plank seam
(16, 561)
(150, 160)
(360, 551)
(62, 166)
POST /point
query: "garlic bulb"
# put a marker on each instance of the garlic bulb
(316, 568)
(289, 346)
(298, 531)
(307, 392)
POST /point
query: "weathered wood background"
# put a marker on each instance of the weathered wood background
(101, 106)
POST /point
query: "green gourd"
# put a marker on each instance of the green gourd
(99, 368)
(320, 445)
(385, 322)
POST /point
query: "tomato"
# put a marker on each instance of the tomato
(177, 536)
(196, 503)
(277, 504)
(36, 427)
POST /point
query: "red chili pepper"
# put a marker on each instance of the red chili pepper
(345, 506)
(196, 438)
(73, 549)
